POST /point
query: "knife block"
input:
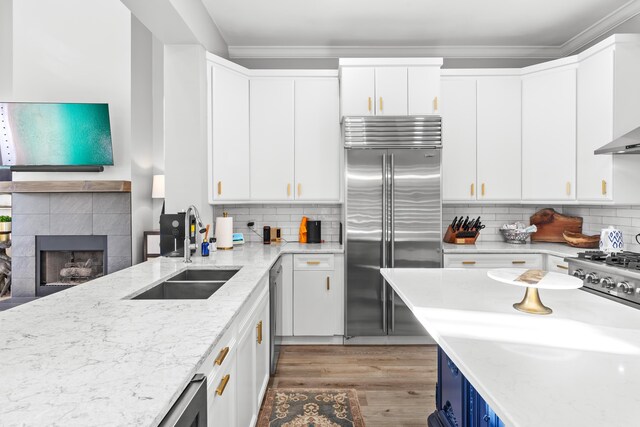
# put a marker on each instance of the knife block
(453, 237)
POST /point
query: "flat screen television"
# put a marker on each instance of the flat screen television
(50, 134)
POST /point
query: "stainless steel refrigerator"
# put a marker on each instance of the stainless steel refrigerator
(393, 216)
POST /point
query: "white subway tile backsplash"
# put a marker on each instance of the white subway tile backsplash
(287, 217)
(625, 218)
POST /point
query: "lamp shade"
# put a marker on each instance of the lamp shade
(157, 190)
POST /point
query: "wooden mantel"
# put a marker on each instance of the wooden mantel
(65, 187)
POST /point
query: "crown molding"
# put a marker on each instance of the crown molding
(543, 52)
(603, 26)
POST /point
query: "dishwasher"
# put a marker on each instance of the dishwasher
(191, 408)
(275, 289)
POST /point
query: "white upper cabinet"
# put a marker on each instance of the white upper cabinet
(608, 105)
(595, 126)
(229, 134)
(424, 90)
(391, 91)
(549, 134)
(317, 139)
(389, 87)
(357, 91)
(272, 139)
(459, 139)
(499, 138)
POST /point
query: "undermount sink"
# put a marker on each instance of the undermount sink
(189, 284)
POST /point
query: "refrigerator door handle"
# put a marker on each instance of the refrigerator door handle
(384, 240)
(392, 235)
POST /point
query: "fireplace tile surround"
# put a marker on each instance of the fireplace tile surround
(71, 214)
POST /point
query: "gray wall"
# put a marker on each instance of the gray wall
(6, 49)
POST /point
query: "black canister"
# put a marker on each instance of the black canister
(266, 235)
(314, 231)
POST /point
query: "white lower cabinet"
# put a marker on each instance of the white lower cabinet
(221, 392)
(318, 295)
(493, 261)
(238, 369)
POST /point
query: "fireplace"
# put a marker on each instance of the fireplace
(66, 261)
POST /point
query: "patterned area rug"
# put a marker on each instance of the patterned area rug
(311, 408)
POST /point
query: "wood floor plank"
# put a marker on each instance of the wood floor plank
(395, 384)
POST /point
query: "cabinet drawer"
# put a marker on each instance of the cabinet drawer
(493, 261)
(557, 264)
(221, 354)
(313, 262)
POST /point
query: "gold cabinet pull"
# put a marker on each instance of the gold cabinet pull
(473, 189)
(482, 189)
(562, 267)
(568, 188)
(289, 190)
(435, 104)
(468, 262)
(222, 385)
(380, 103)
(604, 187)
(313, 262)
(221, 356)
(369, 105)
(518, 262)
(219, 188)
(259, 332)
(328, 283)
(299, 189)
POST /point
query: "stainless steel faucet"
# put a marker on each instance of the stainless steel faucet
(187, 226)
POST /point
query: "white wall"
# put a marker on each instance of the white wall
(6, 49)
(141, 135)
(185, 129)
(158, 121)
(76, 51)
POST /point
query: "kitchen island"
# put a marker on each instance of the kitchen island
(579, 366)
(91, 356)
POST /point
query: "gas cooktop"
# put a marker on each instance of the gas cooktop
(615, 276)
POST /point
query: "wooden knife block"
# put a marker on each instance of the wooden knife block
(452, 237)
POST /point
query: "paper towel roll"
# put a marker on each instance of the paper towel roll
(224, 232)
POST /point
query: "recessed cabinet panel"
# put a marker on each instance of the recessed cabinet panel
(549, 135)
(357, 91)
(272, 139)
(595, 126)
(229, 134)
(459, 139)
(391, 91)
(262, 344)
(499, 138)
(424, 90)
(317, 140)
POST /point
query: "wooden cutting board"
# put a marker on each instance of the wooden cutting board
(551, 225)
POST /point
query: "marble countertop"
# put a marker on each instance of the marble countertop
(579, 366)
(88, 356)
(557, 249)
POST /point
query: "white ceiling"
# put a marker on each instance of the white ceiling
(254, 28)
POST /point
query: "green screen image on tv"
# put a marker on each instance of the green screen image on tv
(49, 134)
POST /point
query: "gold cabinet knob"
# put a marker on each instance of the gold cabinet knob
(328, 283)
(299, 189)
(435, 104)
(473, 189)
(289, 190)
(259, 332)
(380, 103)
(604, 187)
(369, 105)
(482, 189)
(468, 262)
(568, 188)
(219, 188)
(221, 356)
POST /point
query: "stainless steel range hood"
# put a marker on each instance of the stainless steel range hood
(627, 144)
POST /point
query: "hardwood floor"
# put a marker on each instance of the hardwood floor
(395, 384)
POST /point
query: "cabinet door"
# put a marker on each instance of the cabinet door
(499, 160)
(262, 343)
(317, 140)
(595, 126)
(229, 134)
(272, 139)
(424, 90)
(314, 303)
(357, 91)
(391, 91)
(221, 392)
(549, 135)
(459, 139)
(247, 409)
